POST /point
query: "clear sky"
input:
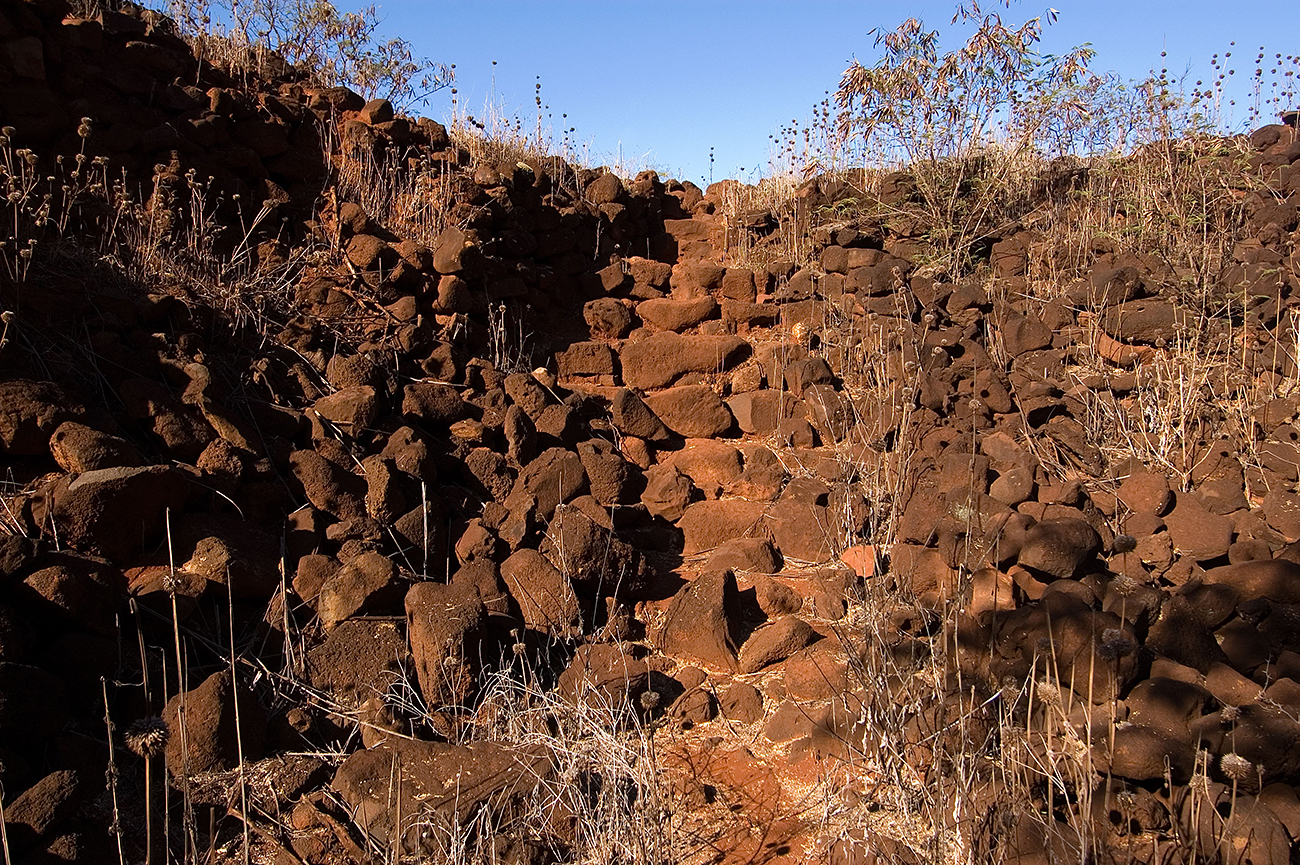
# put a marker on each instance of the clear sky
(657, 84)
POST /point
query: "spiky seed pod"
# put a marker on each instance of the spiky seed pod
(1116, 643)
(1124, 585)
(1236, 767)
(1049, 693)
(147, 737)
(1123, 544)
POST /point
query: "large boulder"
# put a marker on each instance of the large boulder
(418, 795)
(369, 583)
(445, 623)
(545, 595)
(693, 411)
(706, 525)
(30, 411)
(703, 622)
(660, 358)
(111, 512)
(205, 736)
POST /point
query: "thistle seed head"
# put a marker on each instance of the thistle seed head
(1124, 544)
(1236, 767)
(147, 737)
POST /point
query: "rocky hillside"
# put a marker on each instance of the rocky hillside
(491, 509)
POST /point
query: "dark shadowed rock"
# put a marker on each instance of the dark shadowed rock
(78, 448)
(1142, 754)
(30, 411)
(1181, 635)
(44, 807)
(1058, 548)
(632, 417)
(228, 552)
(1167, 705)
(584, 548)
(556, 476)
(1277, 580)
(76, 597)
(366, 584)
(1147, 320)
(435, 405)
(327, 486)
(33, 704)
(112, 512)
(359, 659)
(612, 479)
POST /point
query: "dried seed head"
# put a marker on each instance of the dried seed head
(1116, 643)
(649, 700)
(1229, 714)
(1049, 694)
(7, 317)
(1123, 544)
(1236, 767)
(1124, 585)
(147, 737)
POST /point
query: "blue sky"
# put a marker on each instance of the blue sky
(657, 84)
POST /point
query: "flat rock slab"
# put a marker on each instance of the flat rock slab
(660, 358)
(694, 411)
(397, 788)
(709, 524)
